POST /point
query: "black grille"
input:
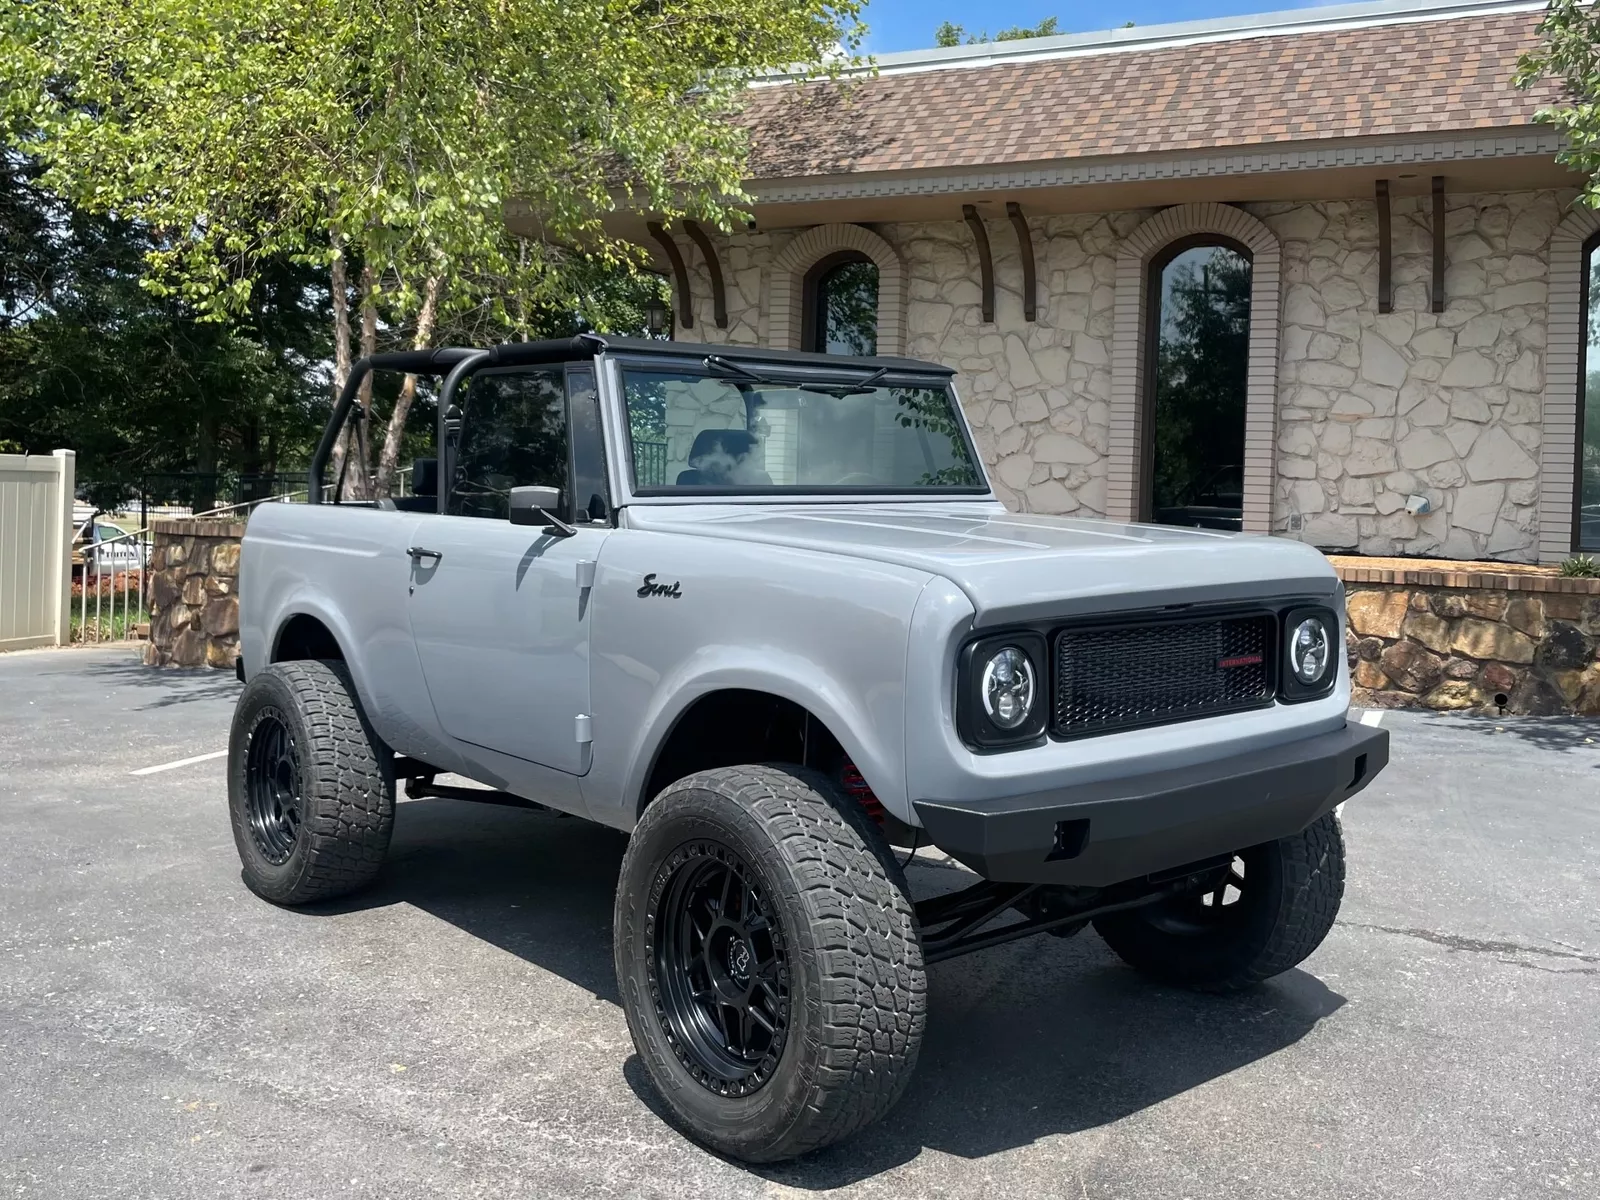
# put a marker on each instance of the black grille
(1151, 674)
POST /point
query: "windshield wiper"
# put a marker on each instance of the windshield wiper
(715, 362)
(860, 388)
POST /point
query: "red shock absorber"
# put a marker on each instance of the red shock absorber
(857, 788)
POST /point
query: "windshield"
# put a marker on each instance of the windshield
(725, 433)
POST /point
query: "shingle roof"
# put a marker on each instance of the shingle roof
(1396, 79)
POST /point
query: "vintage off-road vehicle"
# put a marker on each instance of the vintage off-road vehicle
(762, 610)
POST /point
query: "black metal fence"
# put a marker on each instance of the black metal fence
(650, 463)
(189, 492)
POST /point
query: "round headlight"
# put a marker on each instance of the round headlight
(1007, 687)
(1308, 651)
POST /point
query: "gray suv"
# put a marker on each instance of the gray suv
(762, 611)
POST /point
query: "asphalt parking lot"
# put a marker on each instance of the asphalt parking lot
(455, 1031)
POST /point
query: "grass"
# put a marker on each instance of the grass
(109, 627)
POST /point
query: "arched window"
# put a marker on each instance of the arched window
(841, 305)
(1586, 478)
(1199, 356)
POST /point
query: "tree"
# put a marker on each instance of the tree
(135, 382)
(385, 142)
(1568, 56)
(951, 34)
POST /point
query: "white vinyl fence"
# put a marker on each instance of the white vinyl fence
(35, 549)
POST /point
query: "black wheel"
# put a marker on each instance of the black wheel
(310, 785)
(768, 960)
(1266, 912)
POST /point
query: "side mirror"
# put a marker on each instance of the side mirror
(531, 505)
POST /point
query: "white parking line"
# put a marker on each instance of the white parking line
(182, 762)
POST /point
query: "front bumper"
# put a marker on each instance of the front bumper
(1102, 833)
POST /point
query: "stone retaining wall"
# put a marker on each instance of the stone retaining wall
(1463, 640)
(194, 594)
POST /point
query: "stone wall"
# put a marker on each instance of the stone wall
(194, 594)
(1454, 640)
(1037, 393)
(1374, 407)
(1371, 407)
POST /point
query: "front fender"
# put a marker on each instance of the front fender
(788, 676)
(823, 631)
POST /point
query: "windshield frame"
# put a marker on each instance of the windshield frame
(847, 372)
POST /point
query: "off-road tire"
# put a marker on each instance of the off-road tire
(857, 990)
(1287, 905)
(345, 779)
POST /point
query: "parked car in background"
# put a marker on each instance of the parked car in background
(100, 548)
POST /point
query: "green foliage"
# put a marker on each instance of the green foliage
(851, 309)
(409, 131)
(951, 34)
(930, 410)
(1581, 566)
(1569, 55)
(456, 161)
(133, 381)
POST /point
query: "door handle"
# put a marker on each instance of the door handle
(420, 552)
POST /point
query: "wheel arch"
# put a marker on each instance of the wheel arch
(302, 635)
(679, 735)
(307, 628)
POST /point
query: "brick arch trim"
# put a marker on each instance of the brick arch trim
(1130, 372)
(789, 269)
(1558, 444)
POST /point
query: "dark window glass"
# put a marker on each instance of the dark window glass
(1201, 353)
(513, 434)
(590, 497)
(844, 307)
(1588, 481)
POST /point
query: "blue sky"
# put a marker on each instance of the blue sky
(909, 24)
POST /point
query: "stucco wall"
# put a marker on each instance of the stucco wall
(1371, 407)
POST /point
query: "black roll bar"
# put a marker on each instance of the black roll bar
(452, 361)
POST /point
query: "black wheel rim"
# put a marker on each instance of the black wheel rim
(1220, 904)
(272, 787)
(719, 973)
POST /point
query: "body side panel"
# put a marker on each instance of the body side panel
(825, 631)
(346, 566)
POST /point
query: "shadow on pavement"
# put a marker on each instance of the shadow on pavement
(1042, 1037)
(1563, 734)
(172, 685)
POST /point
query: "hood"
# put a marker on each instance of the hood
(1018, 566)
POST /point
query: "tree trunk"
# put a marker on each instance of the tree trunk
(427, 318)
(339, 294)
(205, 484)
(248, 452)
(358, 479)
